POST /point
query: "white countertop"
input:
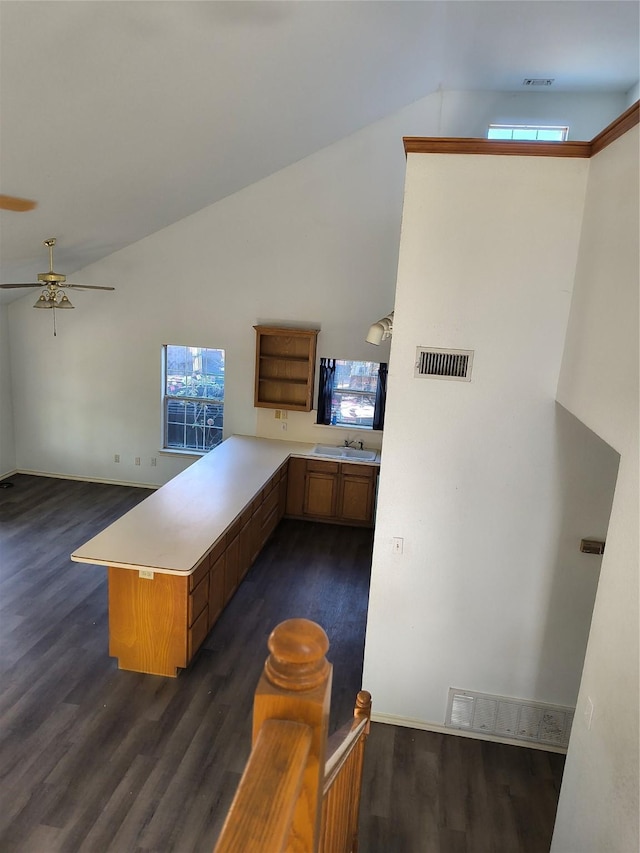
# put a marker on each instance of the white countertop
(172, 529)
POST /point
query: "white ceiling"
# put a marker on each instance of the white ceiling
(123, 117)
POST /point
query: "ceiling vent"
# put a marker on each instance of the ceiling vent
(538, 81)
(444, 363)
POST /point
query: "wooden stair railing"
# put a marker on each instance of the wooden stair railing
(343, 781)
(292, 797)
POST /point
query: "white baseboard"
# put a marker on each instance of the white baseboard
(9, 474)
(410, 723)
(86, 479)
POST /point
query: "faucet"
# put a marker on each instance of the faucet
(349, 442)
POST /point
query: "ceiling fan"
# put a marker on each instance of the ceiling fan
(53, 295)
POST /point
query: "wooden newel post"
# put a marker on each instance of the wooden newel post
(362, 710)
(296, 685)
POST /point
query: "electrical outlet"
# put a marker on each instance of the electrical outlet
(397, 545)
(283, 427)
(116, 457)
(137, 460)
(285, 414)
(154, 461)
(146, 574)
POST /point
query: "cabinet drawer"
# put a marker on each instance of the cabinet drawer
(245, 515)
(216, 589)
(233, 530)
(197, 633)
(322, 466)
(270, 505)
(201, 570)
(359, 470)
(217, 550)
(198, 599)
(231, 568)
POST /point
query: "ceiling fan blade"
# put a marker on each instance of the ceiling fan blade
(37, 284)
(85, 286)
(10, 202)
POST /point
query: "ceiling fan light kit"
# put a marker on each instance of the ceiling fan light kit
(47, 299)
(53, 296)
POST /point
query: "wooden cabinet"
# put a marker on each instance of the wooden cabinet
(324, 490)
(295, 487)
(321, 489)
(356, 495)
(285, 368)
(157, 622)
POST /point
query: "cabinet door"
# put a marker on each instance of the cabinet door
(245, 549)
(231, 567)
(282, 492)
(216, 589)
(295, 486)
(356, 499)
(320, 494)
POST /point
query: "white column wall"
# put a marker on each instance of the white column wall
(484, 481)
(598, 808)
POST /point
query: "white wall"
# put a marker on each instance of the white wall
(598, 808)
(7, 445)
(633, 95)
(316, 243)
(487, 482)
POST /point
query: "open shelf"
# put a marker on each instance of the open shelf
(285, 368)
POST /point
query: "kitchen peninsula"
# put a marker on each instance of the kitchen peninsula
(176, 559)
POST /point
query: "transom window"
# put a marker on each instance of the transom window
(193, 397)
(531, 132)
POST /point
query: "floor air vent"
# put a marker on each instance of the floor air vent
(444, 363)
(511, 719)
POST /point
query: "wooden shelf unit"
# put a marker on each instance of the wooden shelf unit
(285, 368)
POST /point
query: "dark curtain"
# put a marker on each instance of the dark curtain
(381, 397)
(325, 389)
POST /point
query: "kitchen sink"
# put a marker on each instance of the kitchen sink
(344, 452)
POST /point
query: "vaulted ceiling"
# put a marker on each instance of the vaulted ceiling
(123, 117)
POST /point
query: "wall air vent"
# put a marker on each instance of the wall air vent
(538, 81)
(444, 363)
(512, 719)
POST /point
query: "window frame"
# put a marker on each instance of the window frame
(337, 394)
(528, 127)
(168, 398)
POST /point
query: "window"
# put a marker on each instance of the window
(193, 397)
(529, 132)
(352, 393)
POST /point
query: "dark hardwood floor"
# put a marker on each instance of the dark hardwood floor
(98, 760)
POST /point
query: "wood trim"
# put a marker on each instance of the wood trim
(616, 129)
(459, 145)
(454, 145)
(261, 813)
